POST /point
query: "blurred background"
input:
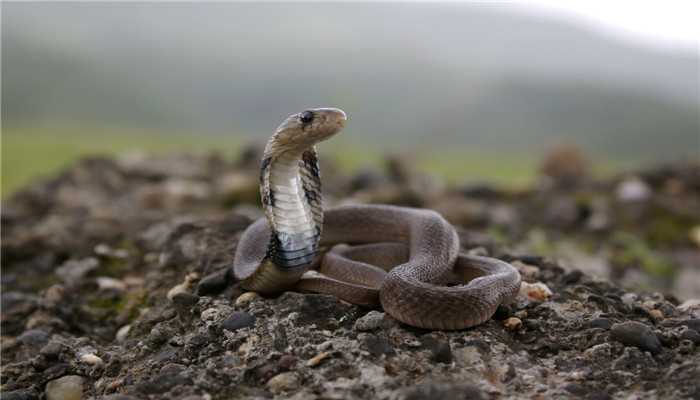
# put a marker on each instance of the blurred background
(475, 91)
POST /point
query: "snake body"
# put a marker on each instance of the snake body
(405, 259)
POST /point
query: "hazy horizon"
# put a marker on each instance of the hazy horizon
(464, 75)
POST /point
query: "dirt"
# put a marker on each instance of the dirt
(115, 283)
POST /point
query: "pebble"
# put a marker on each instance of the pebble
(439, 348)
(695, 235)
(283, 382)
(183, 287)
(54, 295)
(213, 283)
(103, 249)
(34, 338)
(185, 300)
(238, 320)
(19, 395)
(316, 360)
(632, 333)
(629, 298)
(287, 362)
(689, 305)
(600, 351)
(572, 277)
(691, 335)
(537, 291)
(528, 272)
(444, 391)
(686, 347)
(52, 349)
(122, 333)
(246, 298)
(91, 359)
(69, 387)
(633, 190)
(72, 271)
(370, 321)
(376, 345)
(513, 323)
(601, 323)
(656, 314)
(107, 283)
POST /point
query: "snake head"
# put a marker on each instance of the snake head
(309, 127)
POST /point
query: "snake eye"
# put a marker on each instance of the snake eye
(306, 117)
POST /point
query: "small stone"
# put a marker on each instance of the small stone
(513, 323)
(317, 359)
(213, 283)
(439, 348)
(177, 289)
(107, 283)
(52, 350)
(528, 272)
(370, 321)
(72, 271)
(210, 315)
(122, 333)
(576, 389)
(695, 235)
(54, 295)
(601, 323)
(601, 351)
(119, 397)
(238, 320)
(284, 382)
(686, 347)
(478, 251)
(629, 298)
(34, 338)
(69, 387)
(287, 362)
(19, 395)
(633, 190)
(693, 323)
(689, 305)
(656, 314)
(443, 391)
(572, 277)
(691, 335)
(537, 291)
(376, 345)
(185, 300)
(91, 359)
(246, 298)
(183, 287)
(632, 333)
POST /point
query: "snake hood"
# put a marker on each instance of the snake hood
(290, 185)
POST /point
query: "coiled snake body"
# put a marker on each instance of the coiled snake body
(402, 258)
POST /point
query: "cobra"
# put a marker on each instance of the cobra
(405, 259)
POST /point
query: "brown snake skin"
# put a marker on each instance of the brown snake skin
(405, 259)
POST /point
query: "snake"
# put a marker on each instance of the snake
(406, 260)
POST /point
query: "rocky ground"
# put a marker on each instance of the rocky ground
(115, 285)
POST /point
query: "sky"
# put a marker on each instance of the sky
(665, 24)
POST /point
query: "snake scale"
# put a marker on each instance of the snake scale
(405, 259)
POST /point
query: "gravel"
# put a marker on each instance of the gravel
(160, 225)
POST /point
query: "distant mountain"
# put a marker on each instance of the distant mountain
(444, 75)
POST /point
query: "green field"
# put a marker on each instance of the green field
(30, 153)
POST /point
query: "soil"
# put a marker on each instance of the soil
(116, 284)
